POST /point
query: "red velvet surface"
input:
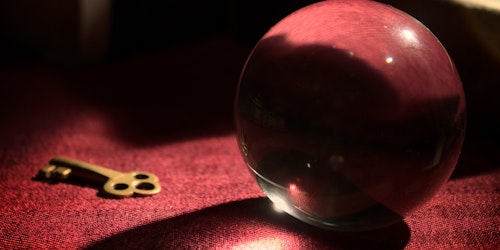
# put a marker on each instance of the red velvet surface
(169, 113)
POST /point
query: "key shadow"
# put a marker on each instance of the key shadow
(248, 223)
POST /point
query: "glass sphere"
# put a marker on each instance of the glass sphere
(350, 114)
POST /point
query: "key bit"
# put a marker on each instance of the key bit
(54, 172)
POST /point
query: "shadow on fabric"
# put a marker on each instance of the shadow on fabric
(478, 156)
(179, 92)
(248, 224)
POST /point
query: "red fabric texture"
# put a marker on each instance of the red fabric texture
(169, 113)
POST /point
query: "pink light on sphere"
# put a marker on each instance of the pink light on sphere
(351, 113)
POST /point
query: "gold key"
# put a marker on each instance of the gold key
(116, 184)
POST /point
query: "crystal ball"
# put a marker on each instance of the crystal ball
(350, 114)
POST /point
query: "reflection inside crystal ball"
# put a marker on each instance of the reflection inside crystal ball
(350, 114)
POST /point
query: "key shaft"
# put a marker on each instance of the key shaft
(95, 169)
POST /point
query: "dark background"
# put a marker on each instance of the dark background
(150, 39)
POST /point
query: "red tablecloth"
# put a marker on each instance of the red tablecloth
(170, 113)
